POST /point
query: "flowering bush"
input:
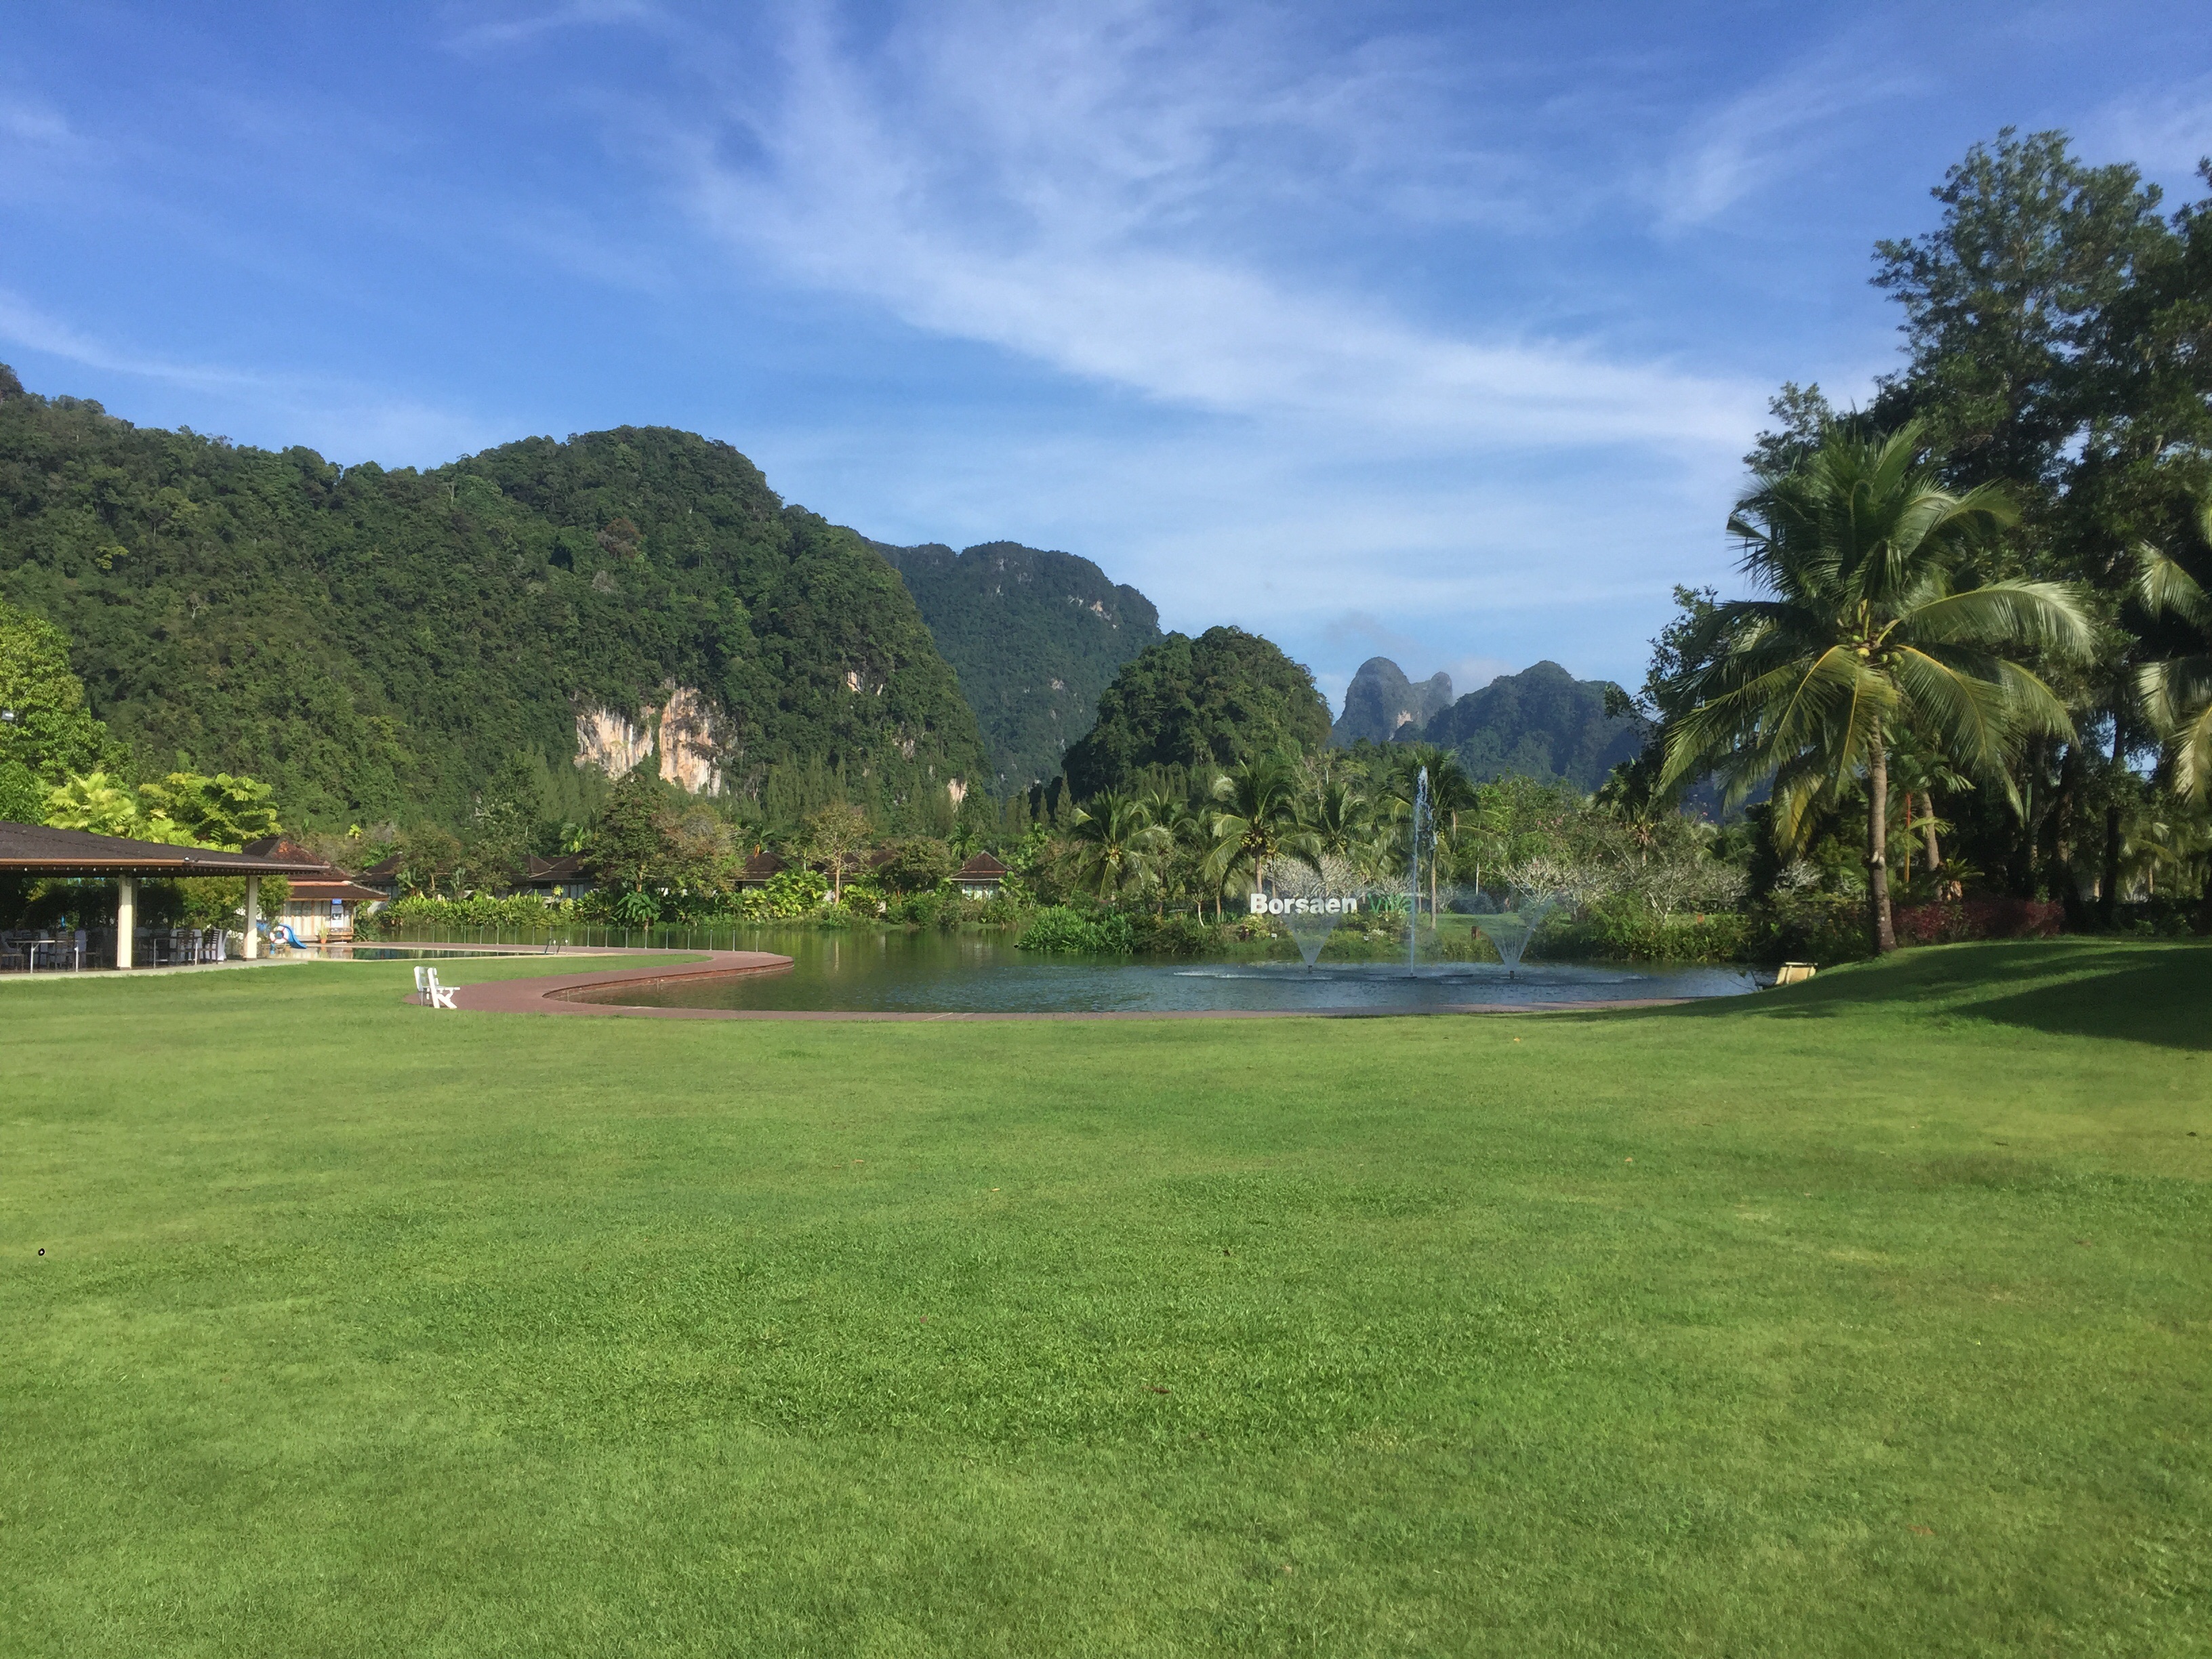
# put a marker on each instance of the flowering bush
(1978, 918)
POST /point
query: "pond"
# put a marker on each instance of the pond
(983, 972)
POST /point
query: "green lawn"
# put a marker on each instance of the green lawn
(1874, 1317)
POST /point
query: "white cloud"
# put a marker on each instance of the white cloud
(1074, 186)
(2165, 137)
(1776, 128)
(346, 421)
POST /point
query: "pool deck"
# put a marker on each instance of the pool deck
(558, 993)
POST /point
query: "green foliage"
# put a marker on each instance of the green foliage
(377, 644)
(45, 732)
(1075, 933)
(1205, 704)
(221, 810)
(1036, 637)
(521, 912)
(1871, 633)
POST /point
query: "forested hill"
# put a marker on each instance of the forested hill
(1036, 637)
(374, 643)
(1541, 723)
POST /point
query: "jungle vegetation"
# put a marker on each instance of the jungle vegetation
(375, 644)
(1036, 636)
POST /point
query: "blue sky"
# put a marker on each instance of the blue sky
(1432, 332)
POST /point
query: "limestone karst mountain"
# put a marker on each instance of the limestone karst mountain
(1381, 702)
(1034, 635)
(376, 643)
(1541, 723)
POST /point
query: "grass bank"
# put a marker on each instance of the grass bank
(1867, 1317)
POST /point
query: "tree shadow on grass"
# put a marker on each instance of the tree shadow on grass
(2157, 994)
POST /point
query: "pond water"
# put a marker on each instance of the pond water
(983, 972)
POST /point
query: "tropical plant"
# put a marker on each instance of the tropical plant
(1869, 632)
(1118, 848)
(1258, 822)
(2177, 692)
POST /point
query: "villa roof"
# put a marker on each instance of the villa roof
(309, 891)
(35, 849)
(760, 867)
(566, 866)
(983, 865)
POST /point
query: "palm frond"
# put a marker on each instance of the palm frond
(2040, 616)
(1968, 715)
(2165, 589)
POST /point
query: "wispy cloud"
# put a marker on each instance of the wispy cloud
(1078, 185)
(344, 420)
(1772, 130)
(2166, 135)
(26, 325)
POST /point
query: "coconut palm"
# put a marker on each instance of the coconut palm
(1865, 634)
(2176, 693)
(1118, 848)
(1258, 821)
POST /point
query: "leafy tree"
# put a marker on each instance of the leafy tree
(918, 864)
(1868, 631)
(628, 844)
(46, 733)
(1219, 700)
(221, 810)
(504, 822)
(834, 841)
(95, 802)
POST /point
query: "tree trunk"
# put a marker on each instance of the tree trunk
(2108, 890)
(1879, 922)
(1928, 829)
(2061, 844)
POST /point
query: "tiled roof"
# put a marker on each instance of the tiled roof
(35, 849)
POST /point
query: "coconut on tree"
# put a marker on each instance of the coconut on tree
(1868, 627)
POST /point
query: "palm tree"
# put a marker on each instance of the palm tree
(1118, 848)
(1865, 635)
(2176, 693)
(1258, 822)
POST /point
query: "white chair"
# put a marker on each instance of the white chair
(441, 996)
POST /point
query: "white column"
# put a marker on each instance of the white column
(252, 917)
(126, 917)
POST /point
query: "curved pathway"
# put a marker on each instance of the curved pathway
(559, 994)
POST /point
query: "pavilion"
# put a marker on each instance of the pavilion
(32, 849)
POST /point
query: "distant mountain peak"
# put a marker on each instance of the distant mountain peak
(1381, 702)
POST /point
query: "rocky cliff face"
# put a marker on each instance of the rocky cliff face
(1380, 701)
(682, 728)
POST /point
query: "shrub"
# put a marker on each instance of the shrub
(1058, 928)
(1958, 920)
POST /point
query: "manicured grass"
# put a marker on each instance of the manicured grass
(1872, 1317)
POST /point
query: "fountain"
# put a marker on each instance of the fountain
(1508, 926)
(1313, 902)
(1413, 876)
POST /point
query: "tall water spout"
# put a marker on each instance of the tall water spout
(1413, 876)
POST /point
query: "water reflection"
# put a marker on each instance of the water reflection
(983, 972)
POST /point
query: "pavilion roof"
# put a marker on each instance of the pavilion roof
(33, 850)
